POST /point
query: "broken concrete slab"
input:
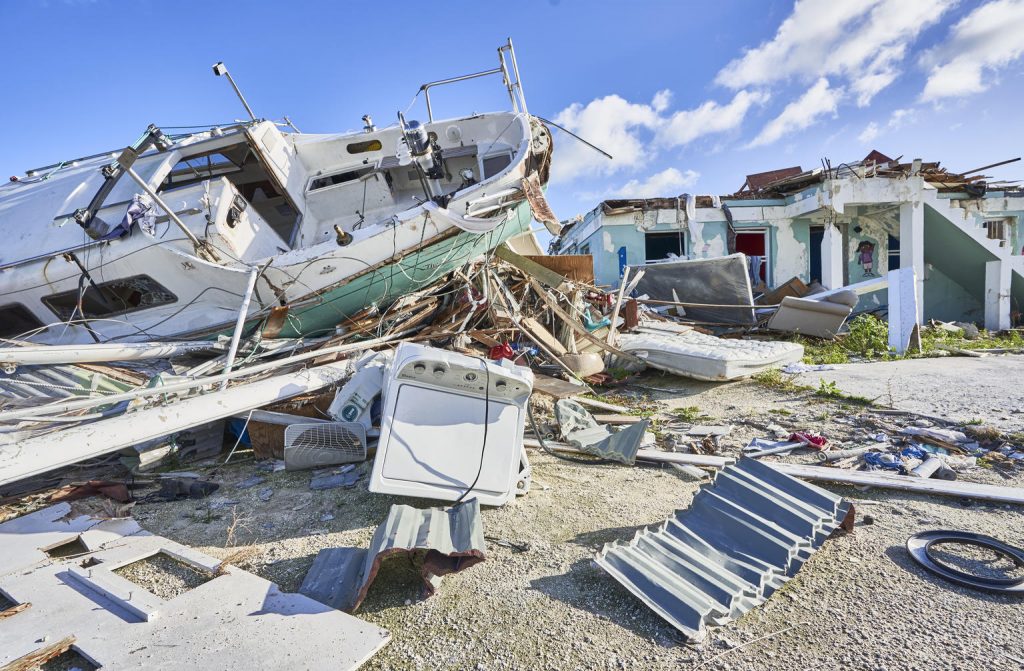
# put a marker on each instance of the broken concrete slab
(447, 539)
(232, 620)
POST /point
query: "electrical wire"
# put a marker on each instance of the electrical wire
(487, 422)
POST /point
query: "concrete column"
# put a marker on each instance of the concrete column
(912, 247)
(832, 260)
(997, 295)
(903, 308)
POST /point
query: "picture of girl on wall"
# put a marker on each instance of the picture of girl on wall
(866, 257)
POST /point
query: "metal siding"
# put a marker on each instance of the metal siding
(740, 540)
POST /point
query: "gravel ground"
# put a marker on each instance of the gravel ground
(859, 603)
(962, 388)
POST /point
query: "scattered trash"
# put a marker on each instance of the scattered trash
(250, 482)
(334, 480)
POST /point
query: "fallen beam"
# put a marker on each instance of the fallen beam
(35, 355)
(967, 490)
(657, 456)
(73, 445)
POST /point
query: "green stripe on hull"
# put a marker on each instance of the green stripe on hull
(388, 283)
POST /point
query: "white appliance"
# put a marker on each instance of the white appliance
(432, 438)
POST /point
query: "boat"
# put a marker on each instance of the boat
(184, 236)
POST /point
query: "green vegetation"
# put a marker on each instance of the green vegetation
(774, 379)
(868, 339)
(690, 414)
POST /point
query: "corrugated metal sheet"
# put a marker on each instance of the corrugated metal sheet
(740, 540)
(449, 540)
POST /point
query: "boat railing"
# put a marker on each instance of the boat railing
(507, 68)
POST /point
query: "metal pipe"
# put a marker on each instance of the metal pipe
(843, 454)
(68, 406)
(788, 447)
(221, 69)
(64, 354)
(163, 206)
(928, 467)
(240, 323)
(519, 82)
(451, 80)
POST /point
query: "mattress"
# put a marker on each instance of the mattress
(704, 357)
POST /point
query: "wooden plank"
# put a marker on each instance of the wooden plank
(575, 267)
(967, 490)
(617, 419)
(601, 405)
(556, 388)
(576, 326)
(537, 330)
(618, 306)
(484, 339)
(532, 268)
(14, 610)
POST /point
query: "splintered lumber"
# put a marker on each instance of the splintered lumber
(967, 490)
(75, 444)
(576, 326)
(532, 268)
(35, 660)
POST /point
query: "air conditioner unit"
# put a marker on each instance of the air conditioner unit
(432, 439)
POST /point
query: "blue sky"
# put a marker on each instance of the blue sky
(688, 96)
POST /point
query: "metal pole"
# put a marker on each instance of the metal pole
(163, 206)
(426, 96)
(239, 94)
(240, 323)
(519, 82)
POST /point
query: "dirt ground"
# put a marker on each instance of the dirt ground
(859, 603)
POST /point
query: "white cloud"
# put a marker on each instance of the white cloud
(898, 119)
(661, 100)
(987, 39)
(816, 102)
(869, 133)
(633, 132)
(668, 182)
(685, 126)
(613, 124)
(860, 43)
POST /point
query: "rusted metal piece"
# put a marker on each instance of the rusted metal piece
(276, 321)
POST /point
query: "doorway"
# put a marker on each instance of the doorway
(754, 243)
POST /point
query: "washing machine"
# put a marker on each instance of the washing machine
(433, 442)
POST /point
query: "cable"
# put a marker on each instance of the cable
(487, 421)
(553, 453)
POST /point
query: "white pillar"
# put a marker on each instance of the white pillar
(997, 295)
(903, 308)
(832, 257)
(912, 247)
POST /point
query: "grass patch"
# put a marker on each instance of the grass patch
(780, 411)
(691, 414)
(773, 378)
(869, 339)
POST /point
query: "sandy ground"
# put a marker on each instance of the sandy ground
(961, 388)
(859, 603)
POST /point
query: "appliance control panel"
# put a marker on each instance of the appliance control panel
(467, 375)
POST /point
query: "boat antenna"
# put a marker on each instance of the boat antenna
(566, 130)
(220, 69)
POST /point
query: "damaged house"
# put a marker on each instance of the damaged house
(841, 226)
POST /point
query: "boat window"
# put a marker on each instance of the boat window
(339, 178)
(495, 164)
(363, 147)
(113, 298)
(16, 320)
(200, 168)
